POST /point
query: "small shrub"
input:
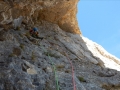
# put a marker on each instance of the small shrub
(44, 69)
(67, 71)
(27, 34)
(33, 56)
(76, 59)
(23, 57)
(51, 54)
(34, 41)
(63, 53)
(21, 35)
(60, 66)
(81, 79)
(22, 46)
(54, 55)
(18, 28)
(11, 55)
(46, 53)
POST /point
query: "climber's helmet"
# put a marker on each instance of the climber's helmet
(35, 29)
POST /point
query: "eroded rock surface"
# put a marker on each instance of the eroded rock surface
(26, 65)
(61, 12)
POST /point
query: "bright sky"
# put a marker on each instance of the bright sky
(99, 20)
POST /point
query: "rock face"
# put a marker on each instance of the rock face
(26, 62)
(61, 12)
(29, 63)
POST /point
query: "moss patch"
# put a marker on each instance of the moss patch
(33, 56)
(81, 79)
(22, 46)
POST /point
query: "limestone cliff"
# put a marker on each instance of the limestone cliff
(26, 62)
(61, 12)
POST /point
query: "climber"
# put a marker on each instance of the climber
(34, 33)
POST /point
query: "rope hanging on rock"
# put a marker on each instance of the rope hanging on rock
(73, 79)
(56, 78)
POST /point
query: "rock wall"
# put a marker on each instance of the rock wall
(61, 12)
(26, 61)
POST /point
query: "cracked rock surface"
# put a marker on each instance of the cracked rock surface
(26, 62)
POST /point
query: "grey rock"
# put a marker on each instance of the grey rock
(25, 65)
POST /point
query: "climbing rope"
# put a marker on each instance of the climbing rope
(72, 69)
(56, 78)
(73, 79)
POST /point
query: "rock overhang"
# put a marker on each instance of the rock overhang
(60, 12)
